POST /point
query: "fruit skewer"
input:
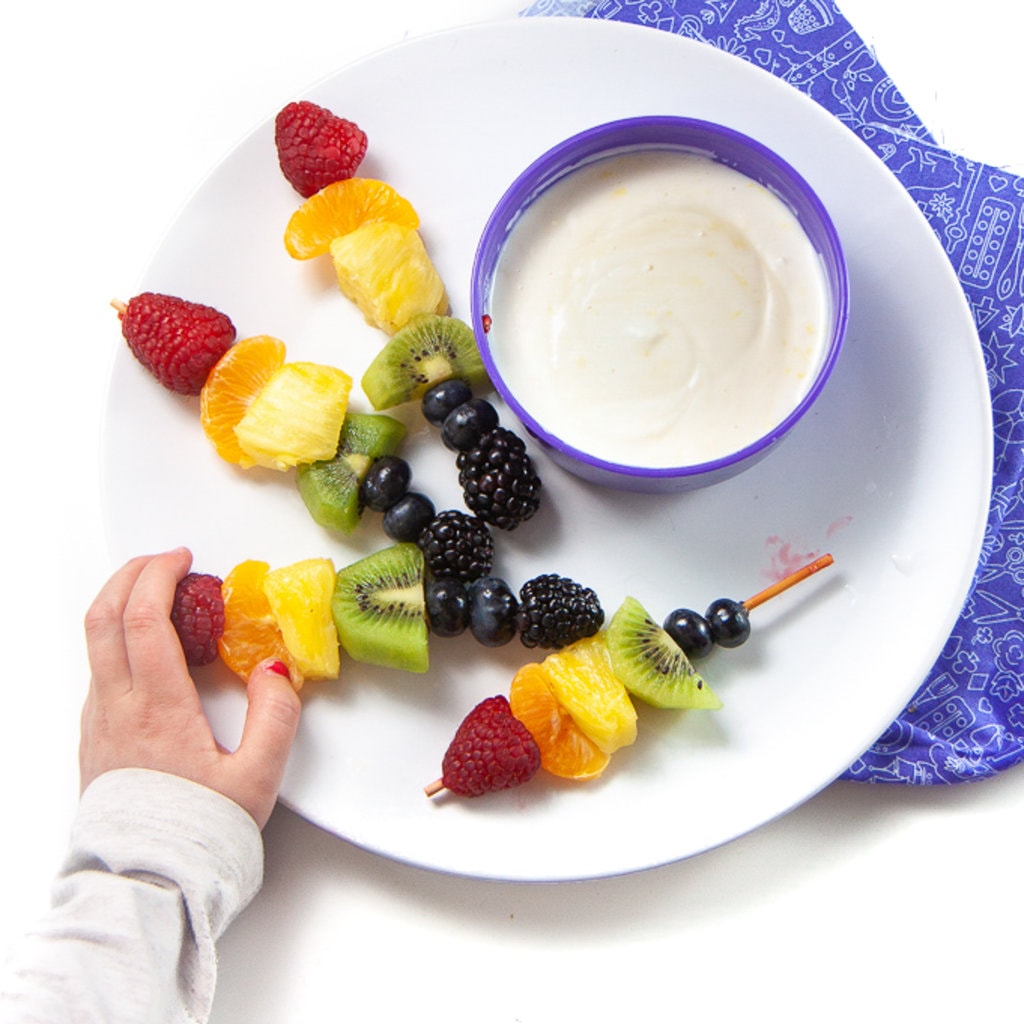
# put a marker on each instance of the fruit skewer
(492, 749)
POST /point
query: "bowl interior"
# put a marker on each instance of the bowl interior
(688, 135)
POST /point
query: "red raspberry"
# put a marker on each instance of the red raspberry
(491, 750)
(198, 616)
(316, 147)
(177, 341)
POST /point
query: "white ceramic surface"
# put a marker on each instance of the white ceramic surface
(905, 416)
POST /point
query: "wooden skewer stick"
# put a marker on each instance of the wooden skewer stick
(791, 580)
(434, 788)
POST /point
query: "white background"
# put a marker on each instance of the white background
(866, 900)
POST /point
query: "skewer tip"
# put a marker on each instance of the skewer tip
(819, 563)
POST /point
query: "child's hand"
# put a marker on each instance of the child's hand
(143, 710)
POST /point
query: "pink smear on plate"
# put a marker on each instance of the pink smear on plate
(785, 558)
(839, 524)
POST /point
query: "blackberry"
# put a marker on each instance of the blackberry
(498, 480)
(555, 611)
(457, 544)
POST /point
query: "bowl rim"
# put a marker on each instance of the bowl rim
(658, 132)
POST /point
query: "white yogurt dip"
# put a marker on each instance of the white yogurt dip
(659, 309)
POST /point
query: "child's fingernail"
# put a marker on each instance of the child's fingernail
(280, 668)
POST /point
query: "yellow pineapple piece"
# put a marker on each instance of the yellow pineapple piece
(300, 601)
(296, 417)
(385, 270)
(581, 678)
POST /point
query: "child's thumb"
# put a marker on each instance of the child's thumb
(271, 721)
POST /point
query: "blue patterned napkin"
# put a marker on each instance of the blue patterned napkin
(966, 722)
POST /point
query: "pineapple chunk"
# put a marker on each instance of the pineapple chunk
(385, 270)
(300, 601)
(581, 678)
(296, 417)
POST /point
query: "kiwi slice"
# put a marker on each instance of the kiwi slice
(378, 609)
(330, 488)
(651, 665)
(430, 348)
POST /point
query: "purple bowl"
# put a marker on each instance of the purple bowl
(660, 133)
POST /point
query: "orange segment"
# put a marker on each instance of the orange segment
(564, 749)
(234, 382)
(340, 208)
(250, 631)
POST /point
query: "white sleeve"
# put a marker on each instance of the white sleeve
(158, 867)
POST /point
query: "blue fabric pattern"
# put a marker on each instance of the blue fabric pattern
(966, 722)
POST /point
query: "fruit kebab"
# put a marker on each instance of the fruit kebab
(576, 704)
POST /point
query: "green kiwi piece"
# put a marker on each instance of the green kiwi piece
(330, 489)
(651, 665)
(427, 350)
(379, 611)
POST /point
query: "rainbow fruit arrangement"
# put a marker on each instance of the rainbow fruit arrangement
(566, 712)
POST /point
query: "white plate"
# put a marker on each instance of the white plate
(891, 473)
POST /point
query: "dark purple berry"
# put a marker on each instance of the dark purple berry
(443, 398)
(455, 543)
(729, 622)
(447, 605)
(498, 479)
(492, 611)
(691, 632)
(405, 520)
(467, 423)
(555, 611)
(385, 482)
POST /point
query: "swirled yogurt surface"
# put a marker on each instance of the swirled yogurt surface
(656, 308)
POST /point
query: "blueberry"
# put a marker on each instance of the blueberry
(729, 622)
(447, 606)
(385, 482)
(467, 423)
(691, 632)
(492, 611)
(443, 398)
(405, 520)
